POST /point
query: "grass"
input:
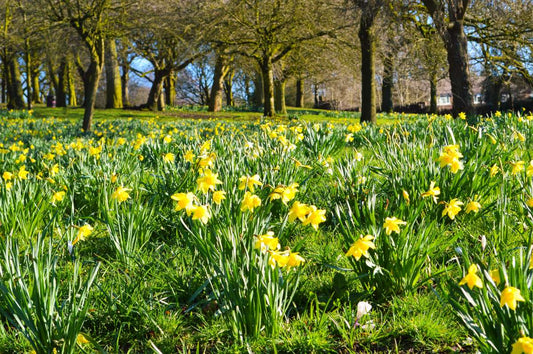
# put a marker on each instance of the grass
(168, 281)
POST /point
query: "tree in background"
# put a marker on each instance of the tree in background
(267, 30)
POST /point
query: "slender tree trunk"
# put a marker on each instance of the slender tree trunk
(280, 104)
(62, 75)
(4, 80)
(368, 85)
(14, 86)
(73, 100)
(113, 79)
(170, 89)
(29, 80)
(388, 84)
(267, 74)
(217, 89)
(300, 93)
(433, 93)
(457, 47)
(161, 102)
(52, 77)
(35, 86)
(154, 97)
(257, 97)
(93, 77)
(228, 87)
(125, 82)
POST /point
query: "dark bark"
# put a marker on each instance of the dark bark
(299, 93)
(4, 86)
(29, 79)
(388, 84)
(368, 85)
(35, 86)
(228, 88)
(73, 100)
(451, 28)
(125, 82)
(281, 107)
(15, 96)
(113, 79)
(257, 96)
(91, 87)
(170, 89)
(267, 74)
(217, 89)
(457, 47)
(52, 77)
(62, 76)
(433, 94)
(493, 88)
(154, 97)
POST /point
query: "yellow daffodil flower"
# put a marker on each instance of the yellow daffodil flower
(432, 192)
(218, 197)
(249, 182)
(315, 217)
(169, 157)
(361, 247)
(266, 242)
(523, 345)
(121, 194)
(201, 212)
(516, 167)
(510, 296)
(250, 202)
(452, 208)
(298, 210)
(393, 224)
(208, 181)
(57, 197)
(471, 279)
(184, 201)
(472, 206)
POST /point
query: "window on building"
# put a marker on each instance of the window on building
(443, 100)
(478, 99)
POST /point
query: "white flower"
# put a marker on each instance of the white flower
(363, 308)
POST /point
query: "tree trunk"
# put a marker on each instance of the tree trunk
(433, 93)
(29, 80)
(267, 74)
(457, 47)
(217, 89)
(15, 96)
(72, 99)
(112, 74)
(388, 84)
(52, 77)
(62, 75)
(154, 97)
(247, 90)
(91, 87)
(35, 86)
(125, 82)
(4, 86)
(368, 85)
(170, 89)
(228, 87)
(493, 88)
(281, 106)
(300, 93)
(257, 97)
